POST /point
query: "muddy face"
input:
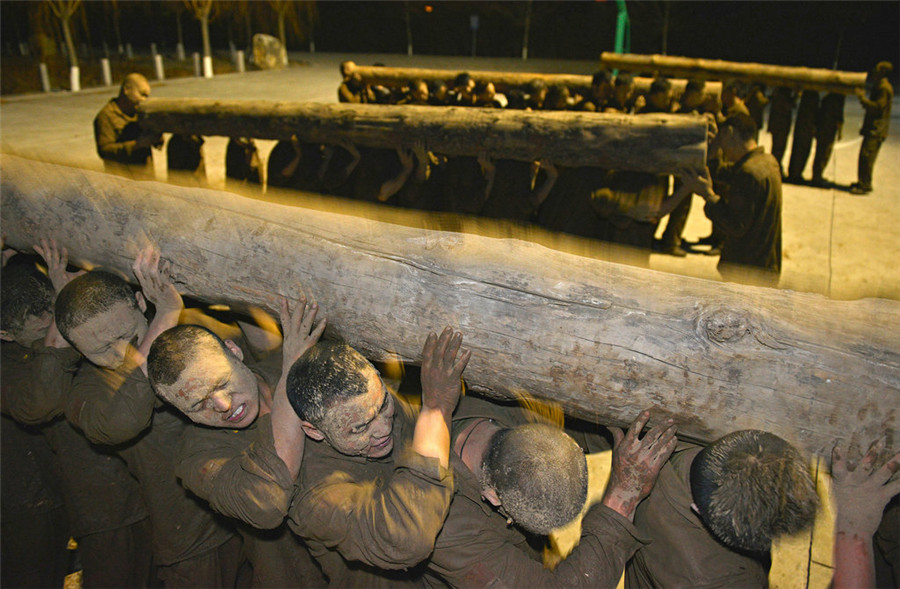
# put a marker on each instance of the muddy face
(217, 390)
(362, 425)
(34, 327)
(104, 338)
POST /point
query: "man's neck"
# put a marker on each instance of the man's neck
(126, 105)
(265, 396)
(472, 443)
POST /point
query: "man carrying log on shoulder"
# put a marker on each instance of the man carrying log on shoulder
(121, 143)
(376, 481)
(244, 455)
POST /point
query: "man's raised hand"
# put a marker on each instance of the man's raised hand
(443, 363)
(56, 259)
(301, 330)
(156, 281)
(636, 463)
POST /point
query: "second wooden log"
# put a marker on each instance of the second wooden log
(648, 143)
(803, 78)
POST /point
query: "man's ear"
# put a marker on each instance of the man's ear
(235, 349)
(5, 336)
(312, 431)
(141, 301)
(491, 495)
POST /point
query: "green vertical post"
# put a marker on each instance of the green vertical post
(623, 31)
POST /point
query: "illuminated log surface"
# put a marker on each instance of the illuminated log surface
(395, 77)
(804, 78)
(602, 339)
(648, 143)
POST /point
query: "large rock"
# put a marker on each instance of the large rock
(268, 53)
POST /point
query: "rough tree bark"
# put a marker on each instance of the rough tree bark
(648, 143)
(803, 78)
(395, 77)
(603, 340)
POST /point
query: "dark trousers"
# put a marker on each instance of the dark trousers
(671, 237)
(800, 152)
(779, 144)
(34, 550)
(117, 558)
(867, 154)
(824, 147)
(218, 567)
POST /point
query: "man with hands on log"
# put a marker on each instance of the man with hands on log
(743, 200)
(376, 482)
(112, 402)
(535, 475)
(861, 490)
(715, 511)
(244, 454)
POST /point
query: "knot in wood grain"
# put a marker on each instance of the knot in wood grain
(725, 325)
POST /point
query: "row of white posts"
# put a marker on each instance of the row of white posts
(202, 67)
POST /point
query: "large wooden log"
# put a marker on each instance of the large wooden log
(604, 340)
(396, 77)
(648, 143)
(803, 78)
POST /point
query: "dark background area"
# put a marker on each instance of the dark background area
(810, 34)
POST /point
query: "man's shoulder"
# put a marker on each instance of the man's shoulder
(109, 110)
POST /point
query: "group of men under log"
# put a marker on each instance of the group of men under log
(183, 452)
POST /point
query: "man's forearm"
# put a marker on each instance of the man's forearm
(432, 435)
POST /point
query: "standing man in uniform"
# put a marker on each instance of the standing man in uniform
(121, 143)
(743, 200)
(875, 125)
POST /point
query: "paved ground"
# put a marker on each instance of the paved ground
(835, 243)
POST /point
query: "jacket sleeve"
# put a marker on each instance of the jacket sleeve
(34, 390)
(608, 540)
(250, 484)
(391, 524)
(110, 406)
(107, 138)
(735, 211)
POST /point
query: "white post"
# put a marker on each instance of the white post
(179, 51)
(153, 49)
(45, 77)
(107, 72)
(232, 49)
(207, 66)
(240, 61)
(197, 71)
(158, 63)
(129, 53)
(75, 78)
(121, 49)
(23, 49)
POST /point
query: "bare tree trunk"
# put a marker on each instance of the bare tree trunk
(649, 143)
(70, 45)
(311, 21)
(603, 340)
(282, 35)
(409, 40)
(665, 27)
(528, 7)
(204, 31)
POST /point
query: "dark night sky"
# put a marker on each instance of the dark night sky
(786, 33)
